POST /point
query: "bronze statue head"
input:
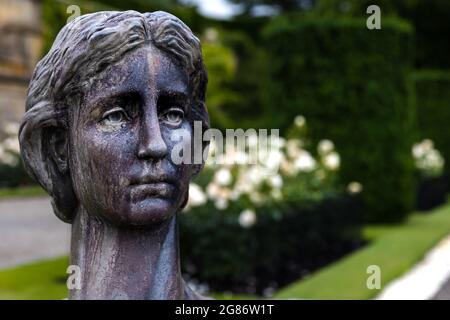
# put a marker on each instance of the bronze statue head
(101, 108)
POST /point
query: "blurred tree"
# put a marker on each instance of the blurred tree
(253, 108)
(431, 22)
(55, 13)
(221, 64)
(429, 18)
(282, 5)
(141, 5)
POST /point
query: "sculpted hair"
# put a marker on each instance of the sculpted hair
(84, 48)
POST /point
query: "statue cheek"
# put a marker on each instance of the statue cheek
(102, 161)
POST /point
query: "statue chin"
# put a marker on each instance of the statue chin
(141, 205)
(146, 212)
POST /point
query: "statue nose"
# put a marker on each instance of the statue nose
(151, 144)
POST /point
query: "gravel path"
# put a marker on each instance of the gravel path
(30, 231)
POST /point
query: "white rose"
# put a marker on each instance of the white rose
(247, 218)
(299, 121)
(196, 195)
(418, 151)
(276, 181)
(332, 161)
(293, 148)
(325, 146)
(354, 187)
(305, 162)
(221, 203)
(223, 177)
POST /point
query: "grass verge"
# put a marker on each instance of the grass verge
(395, 249)
(45, 280)
(22, 192)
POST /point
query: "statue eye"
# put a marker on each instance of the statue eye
(174, 116)
(114, 116)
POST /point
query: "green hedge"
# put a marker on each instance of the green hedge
(433, 109)
(289, 240)
(352, 85)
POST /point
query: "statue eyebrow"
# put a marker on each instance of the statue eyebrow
(119, 94)
(167, 96)
(176, 94)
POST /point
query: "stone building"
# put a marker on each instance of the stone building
(20, 49)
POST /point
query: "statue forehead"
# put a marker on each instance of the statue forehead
(144, 68)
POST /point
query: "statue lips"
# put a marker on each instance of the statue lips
(151, 187)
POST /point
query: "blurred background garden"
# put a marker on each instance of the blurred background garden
(363, 152)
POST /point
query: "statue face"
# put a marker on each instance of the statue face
(119, 140)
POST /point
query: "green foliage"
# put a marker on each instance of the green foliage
(54, 16)
(285, 5)
(249, 82)
(187, 13)
(431, 24)
(14, 176)
(432, 28)
(221, 65)
(351, 84)
(430, 20)
(12, 170)
(433, 112)
(251, 225)
(55, 13)
(290, 239)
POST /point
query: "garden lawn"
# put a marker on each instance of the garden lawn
(41, 280)
(22, 192)
(395, 249)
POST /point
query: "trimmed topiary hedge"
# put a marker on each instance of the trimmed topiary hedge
(352, 85)
(433, 109)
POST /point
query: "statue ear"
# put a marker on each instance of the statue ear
(43, 143)
(56, 154)
(57, 148)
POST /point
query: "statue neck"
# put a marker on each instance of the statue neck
(126, 263)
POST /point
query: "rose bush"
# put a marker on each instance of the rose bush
(252, 226)
(433, 183)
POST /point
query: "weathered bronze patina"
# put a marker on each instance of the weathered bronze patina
(101, 109)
